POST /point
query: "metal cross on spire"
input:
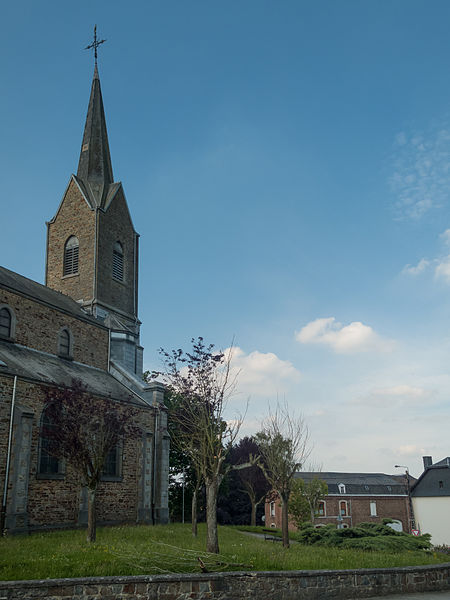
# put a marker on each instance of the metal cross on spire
(95, 44)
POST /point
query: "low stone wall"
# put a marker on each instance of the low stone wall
(272, 585)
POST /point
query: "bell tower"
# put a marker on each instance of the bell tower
(92, 246)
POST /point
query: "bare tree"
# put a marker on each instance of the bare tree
(82, 430)
(284, 445)
(202, 382)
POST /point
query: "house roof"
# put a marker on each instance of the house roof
(45, 368)
(434, 481)
(36, 291)
(368, 484)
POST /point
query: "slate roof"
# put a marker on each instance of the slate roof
(94, 166)
(41, 293)
(434, 481)
(42, 367)
(368, 484)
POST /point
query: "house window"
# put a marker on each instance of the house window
(341, 488)
(65, 344)
(272, 509)
(71, 256)
(373, 509)
(117, 271)
(49, 464)
(321, 509)
(6, 322)
(343, 508)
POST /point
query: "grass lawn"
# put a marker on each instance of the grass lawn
(171, 549)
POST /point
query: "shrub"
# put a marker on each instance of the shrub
(366, 536)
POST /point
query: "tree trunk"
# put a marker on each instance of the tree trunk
(253, 517)
(92, 521)
(212, 539)
(284, 521)
(194, 511)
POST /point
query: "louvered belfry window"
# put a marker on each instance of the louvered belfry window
(71, 256)
(118, 262)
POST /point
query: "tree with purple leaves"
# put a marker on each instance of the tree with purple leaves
(82, 430)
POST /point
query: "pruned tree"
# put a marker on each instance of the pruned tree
(305, 498)
(180, 463)
(284, 445)
(82, 430)
(251, 480)
(201, 380)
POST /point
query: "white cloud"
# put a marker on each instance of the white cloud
(420, 176)
(343, 339)
(262, 373)
(445, 237)
(393, 396)
(410, 450)
(403, 390)
(421, 266)
(442, 269)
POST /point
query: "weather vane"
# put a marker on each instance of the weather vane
(95, 44)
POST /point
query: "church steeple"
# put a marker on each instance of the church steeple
(94, 166)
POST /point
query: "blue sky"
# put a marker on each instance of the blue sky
(287, 165)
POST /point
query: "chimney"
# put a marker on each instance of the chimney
(427, 461)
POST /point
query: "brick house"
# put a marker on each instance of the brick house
(431, 500)
(354, 498)
(82, 324)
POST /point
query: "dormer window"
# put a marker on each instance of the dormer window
(117, 271)
(71, 256)
(65, 344)
(341, 488)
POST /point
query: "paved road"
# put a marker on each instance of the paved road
(422, 596)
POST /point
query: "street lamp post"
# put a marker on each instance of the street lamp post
(412, 524)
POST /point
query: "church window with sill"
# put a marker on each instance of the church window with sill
(65, 344)
(111, 468)
(117, 271)
(6, 323)
(49, 465)
(71, 256)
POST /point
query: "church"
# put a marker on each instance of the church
(81, 325)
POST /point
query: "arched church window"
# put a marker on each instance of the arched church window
(71, 256)
(65, 344)
(6, 322)
(117, 271)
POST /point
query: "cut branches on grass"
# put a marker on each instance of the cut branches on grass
(171, 549)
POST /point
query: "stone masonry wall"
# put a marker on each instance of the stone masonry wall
(56, 501)
(38, 326)
(73, 218)
(278, 585)
(115, 226)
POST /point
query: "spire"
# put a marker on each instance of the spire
(94, 167)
